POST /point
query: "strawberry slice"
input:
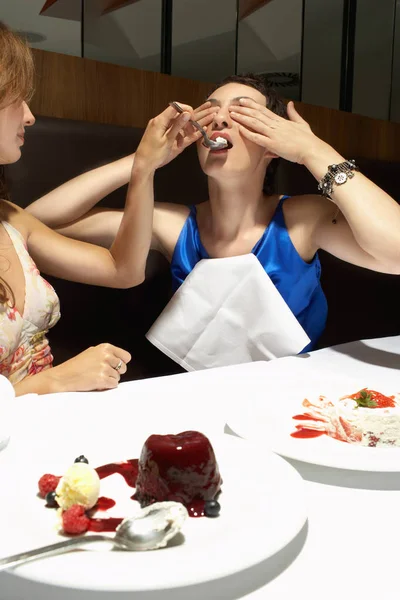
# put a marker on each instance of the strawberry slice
(371, 399)
(381, 400)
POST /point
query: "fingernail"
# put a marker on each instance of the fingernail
(185, 117)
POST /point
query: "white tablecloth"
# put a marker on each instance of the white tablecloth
(347, 549)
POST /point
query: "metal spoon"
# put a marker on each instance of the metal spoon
(212, 144)
(152, 528)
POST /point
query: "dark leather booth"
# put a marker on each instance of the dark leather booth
(361, 303)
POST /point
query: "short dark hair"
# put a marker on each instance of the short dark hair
(274, 103)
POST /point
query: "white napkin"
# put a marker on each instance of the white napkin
(227, 312)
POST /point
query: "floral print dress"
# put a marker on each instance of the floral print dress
(24, 348)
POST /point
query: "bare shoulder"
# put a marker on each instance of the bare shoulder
(15, 216)
(168, 221)
(304, 216)
(9, 211)
(308, 210)
(308, 205)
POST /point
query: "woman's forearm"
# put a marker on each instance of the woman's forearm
(42, 383)
(133, 241)
(374, 217)
(92, 369)
(163, 139)
(76, 197)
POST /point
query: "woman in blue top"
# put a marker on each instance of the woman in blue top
(297, 281)
(359, 223)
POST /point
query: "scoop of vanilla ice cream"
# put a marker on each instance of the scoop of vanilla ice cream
(79, 485)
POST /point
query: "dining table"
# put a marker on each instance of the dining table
(347, 547)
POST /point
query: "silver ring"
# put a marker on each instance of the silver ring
(119, 365)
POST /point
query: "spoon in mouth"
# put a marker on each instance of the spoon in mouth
(219, 144)
(151, 529)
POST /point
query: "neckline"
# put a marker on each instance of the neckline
(6, 227)
(202, 249)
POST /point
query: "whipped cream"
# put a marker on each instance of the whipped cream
(221, 140)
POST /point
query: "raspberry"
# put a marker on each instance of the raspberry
(75, 520)
(47, 483)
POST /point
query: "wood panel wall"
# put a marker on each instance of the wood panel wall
(354, 135)
(78, 88)
(74, 88)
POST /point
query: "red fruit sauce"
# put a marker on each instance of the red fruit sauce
(104, 503)
(128, 470)
(306, 417)
(307, 433)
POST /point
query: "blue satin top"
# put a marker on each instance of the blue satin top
(297, 281)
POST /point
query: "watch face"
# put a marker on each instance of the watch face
(340, 178)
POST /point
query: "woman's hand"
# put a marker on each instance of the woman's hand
(97, 368)
(204, 115)
(288, 138)
(168, 134)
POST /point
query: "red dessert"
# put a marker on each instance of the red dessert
(180, 468)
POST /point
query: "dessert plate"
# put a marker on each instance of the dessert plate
(258, 518)
(266, 419)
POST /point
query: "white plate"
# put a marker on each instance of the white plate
(7, 398)
(258, 518)
(4, 439)
(267, 420)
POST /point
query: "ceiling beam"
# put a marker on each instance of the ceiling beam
(47, 5)
(111, 5)
(108, 5)
(247, 7)
(71, 10)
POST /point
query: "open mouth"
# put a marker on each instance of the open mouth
(222, 139)
(223, 149)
